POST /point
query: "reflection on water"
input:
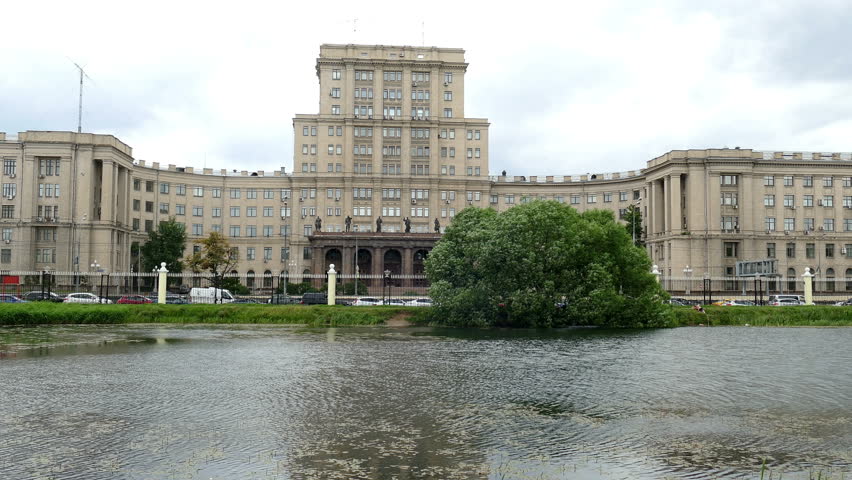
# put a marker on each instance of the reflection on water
(206, 402)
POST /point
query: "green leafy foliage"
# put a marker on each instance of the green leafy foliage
(165, 244)
(542, 264)
(633, 217)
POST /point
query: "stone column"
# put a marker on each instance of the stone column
(675, 220)
(407, 261)
(332, 284)
(161, 287)
(378, 265)
(809, 286)
(107, 191)
(666, 204)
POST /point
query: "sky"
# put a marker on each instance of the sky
(569, 87)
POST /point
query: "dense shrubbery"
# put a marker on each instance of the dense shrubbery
(542, 264)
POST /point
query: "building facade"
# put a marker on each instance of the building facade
(391, 141)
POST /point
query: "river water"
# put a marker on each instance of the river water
(202, 402)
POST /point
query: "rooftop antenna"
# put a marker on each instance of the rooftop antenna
(80, 104)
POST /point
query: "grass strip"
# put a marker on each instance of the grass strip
(792, 316)
(42, 313)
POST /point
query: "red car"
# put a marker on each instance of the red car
(134, 300)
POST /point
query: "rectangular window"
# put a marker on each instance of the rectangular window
(251, 211)
(827, 182)
(217, 212)
(769, 224)
(197, 191)
(197, 211)
(267, 230)
(251, 193)
(791, 250)
(789, 224)
(788, 180)
(164, 208)
(770, 250)
(234, 231)
(217, 192)
(728, 179)
(808, 200)
(769, 200)
(828, 224)
(810, 250)
(235, 211)
(448, 113)
(251, 231)
(789, 201)
(808, 181)
(731, 249)
(197, 229)
(335, 109)
(829, 250)
(235, 193)
(10, 167)
(769, 181)
(164, 187)
(180, 209)
(180, 189)
(809, 224)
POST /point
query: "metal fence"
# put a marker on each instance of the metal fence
(260, 287)
(825, 290)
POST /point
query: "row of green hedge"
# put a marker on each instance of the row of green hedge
(803, 316)
(313, 315)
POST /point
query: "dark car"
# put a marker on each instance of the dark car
(244, 300)
(314, 299)
(42, 297)
(282, 299)
(175, 300)
(6, 298)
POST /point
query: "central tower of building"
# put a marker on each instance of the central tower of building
(390, 139)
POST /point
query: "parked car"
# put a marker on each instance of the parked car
(85, 298)
(314, 298)
(6, 298)
(134, 300)
(844, 303)
(786, 302)
(245, 300)
(42, 297)
(366, 301)
(395, 301)
(420, 302)
(175, 300)
(738, 303)
(681, 302)
(776, 299)
(282, 299)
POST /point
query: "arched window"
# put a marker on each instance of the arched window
(267, 279)
(829, 280)
(250, 279)
(791, 279)
(849, 279)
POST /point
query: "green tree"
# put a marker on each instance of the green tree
(542, 264)
(165, 244)
(215, 256)
(633, 216)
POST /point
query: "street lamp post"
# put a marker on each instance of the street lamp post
(688, 272)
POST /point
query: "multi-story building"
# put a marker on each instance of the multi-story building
(391, 141)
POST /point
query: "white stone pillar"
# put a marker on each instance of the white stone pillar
(332, 284)
(809, 286)
(161, 288)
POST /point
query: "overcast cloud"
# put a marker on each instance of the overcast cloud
(568, 87)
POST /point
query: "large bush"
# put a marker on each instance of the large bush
(542, 264)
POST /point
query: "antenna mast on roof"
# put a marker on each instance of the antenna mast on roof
(80, 104)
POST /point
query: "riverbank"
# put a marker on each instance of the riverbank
(803, 316)
(313, 315)
(337, 315)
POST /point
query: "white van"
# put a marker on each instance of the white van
(210, 295)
